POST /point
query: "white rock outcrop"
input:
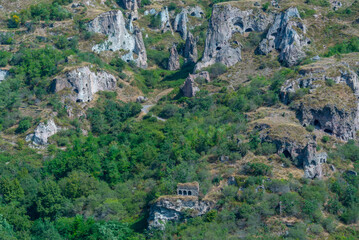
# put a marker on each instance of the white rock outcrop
(42, 132)
(84, 83)
(226, 20)
(180, 23)
(3, 74)
(128, 41)
(287, 35)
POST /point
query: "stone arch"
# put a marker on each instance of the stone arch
(189, 193)
(184, 193)
(180, 192)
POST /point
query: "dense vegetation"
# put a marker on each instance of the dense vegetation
(103, 170)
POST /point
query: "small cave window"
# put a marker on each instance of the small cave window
(218, 48)
(317, 124)
(180, 192)
(287, 154)
(328, 131)
(239, 23)
(189, 193)
(76, 90)
(249, 30)
(184, 192)
(313, 163)
(78, 100)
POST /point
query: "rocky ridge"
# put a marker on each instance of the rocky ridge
(42, 132)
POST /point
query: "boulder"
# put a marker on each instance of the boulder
(180, 23)
(42, 132)
(173, 61)
(84, 83)
(287, 35)
(113, 25)
(336, 4)
(190, 88)
(3, 74)
(141, 99)
(190, 50)
(221, 45)
(172, 208)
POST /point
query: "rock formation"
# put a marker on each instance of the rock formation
(195, 11)
(287, 35)
(171, 208)
(165, 20)
(190, 50)
(180, 23)
(133, 6)
(42, 132)
(84, 83)
(332, 109)
(313, 162)
(3, 74)
(227, 20)
(113, 25)
(190, 88)
(173, 61)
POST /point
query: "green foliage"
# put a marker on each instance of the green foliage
(155, 21)
(24, 125)
(6, 38)
(5, 58)
(310, 128)
(216, 69)
(346, 46)
(265, 6)
(168, 111)
(6, 230)
(49, 201)
(145, 3)
(46, 12)
(13, 21)
(258, 169)
(321, 3)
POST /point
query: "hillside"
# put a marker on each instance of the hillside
(166, 119)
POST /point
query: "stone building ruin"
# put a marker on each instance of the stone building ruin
(188, 189)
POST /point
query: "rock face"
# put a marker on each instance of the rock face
(332, 109)
(113, 25)
(313, 162)
(190, 50)
(190, 88)
(84, 83)
(42, 132)
(180, 23)
(3, 74)
(133, 6)
(196, 11)
(173, 61)
(227, 20)
(284, 37)
(165, 20)
(172, 208)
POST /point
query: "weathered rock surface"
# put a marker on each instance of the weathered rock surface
(172, 208)
(141, 99)
(293, 141)
(190, 87)
(165, 20)
(180, 23)
(173, 61)
(227, 20)
(42, 132)
(113, 25)
(3, 74)
(287, 35)
(313, 162)
(196, 11)
(332, 109)
(84, 83)
(190, 50)
(133, 6)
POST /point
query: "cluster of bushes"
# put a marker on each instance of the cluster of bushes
(348, 46)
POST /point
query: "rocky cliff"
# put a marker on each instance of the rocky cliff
(3, 74)
(180, 23)
(84, 83)
(173, 208)
(227, 20)
(42, 132)
(190, 50)
(287, 35)
(113, 25)
(173, 61)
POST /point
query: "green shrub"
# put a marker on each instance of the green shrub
(258, 169)
(24, 125)
(329, 82)
(265, 6)
(347, 46)
(325, 139)
(5, 58)
(317, 229)
(321, 3)
(310, 128)
(168, 111)
(155, 21)
(216, 69)
(13, 21)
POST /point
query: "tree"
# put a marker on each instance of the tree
(49, 199)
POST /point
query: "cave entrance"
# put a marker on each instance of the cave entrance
(185, 193)
(329, 131)
(189, 193)
(287, 154)
(317, 124)
(180, 192)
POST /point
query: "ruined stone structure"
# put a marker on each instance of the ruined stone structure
(188, 189)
